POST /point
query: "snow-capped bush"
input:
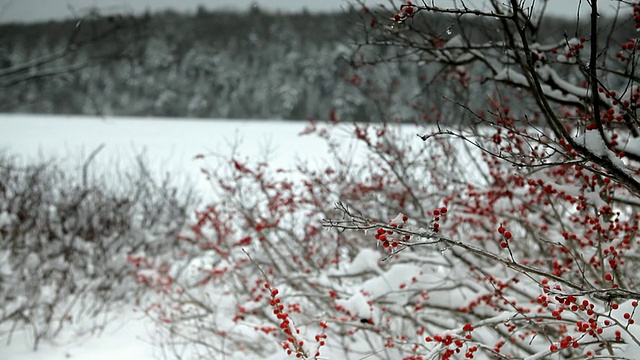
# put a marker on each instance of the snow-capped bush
(65, 240)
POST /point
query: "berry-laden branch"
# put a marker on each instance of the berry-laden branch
(510, 232)
(408, 237)
(294, 343)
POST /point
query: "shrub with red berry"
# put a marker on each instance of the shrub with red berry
(514, 238)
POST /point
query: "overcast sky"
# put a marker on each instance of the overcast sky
(39, 10)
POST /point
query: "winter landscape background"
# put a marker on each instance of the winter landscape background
(352, 180)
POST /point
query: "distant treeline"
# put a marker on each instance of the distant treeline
(208, 64)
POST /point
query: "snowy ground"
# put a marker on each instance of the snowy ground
(168, 145)
(127, 337)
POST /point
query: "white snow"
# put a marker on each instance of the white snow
(127, 337)
(453, 51)
(357, 305)
(366, 260)
(569, 92)
(596, 145)
(593, 142)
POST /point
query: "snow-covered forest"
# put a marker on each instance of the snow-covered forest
(465, 185)
(256, 65)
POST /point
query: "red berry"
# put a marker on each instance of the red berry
(507, 235)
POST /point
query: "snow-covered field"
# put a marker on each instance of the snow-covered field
(167, 145)
(127, 337)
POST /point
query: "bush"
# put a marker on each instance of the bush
(66, 240)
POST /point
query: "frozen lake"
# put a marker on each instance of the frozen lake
(167, 145)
